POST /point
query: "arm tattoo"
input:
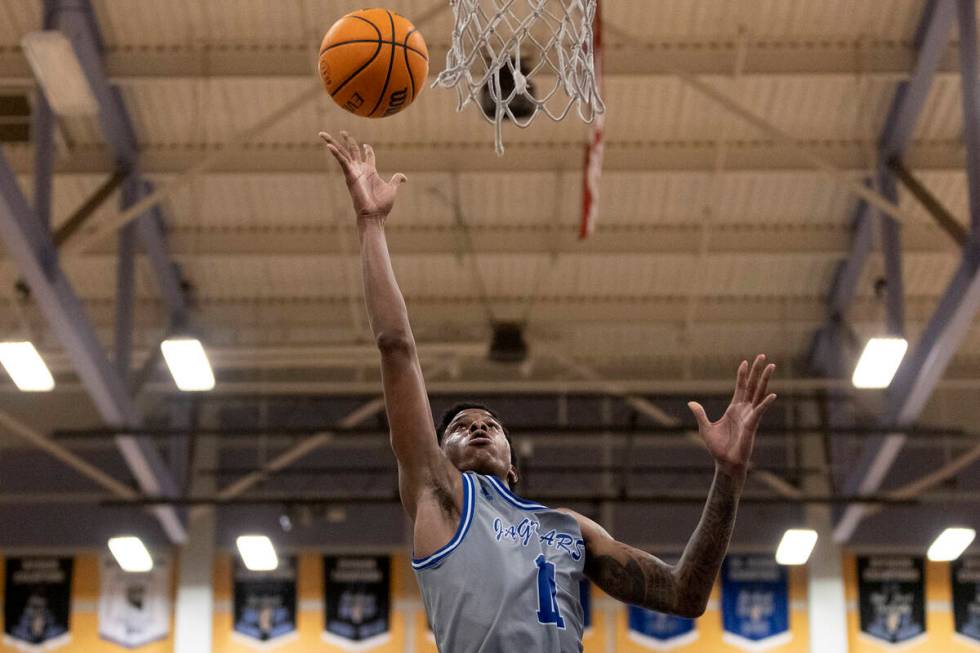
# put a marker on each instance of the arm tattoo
(634, 576)
(698, 567)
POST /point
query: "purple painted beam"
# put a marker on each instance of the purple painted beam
(849, 271)
(926, 362)
(931, 39)
(914, 382)
(43, 133)
(891, 246)
(971, 107)
(29, 246)
(76, 18)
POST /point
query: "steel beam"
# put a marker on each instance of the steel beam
(891, 246)
(77, 19)
(770, 56)
(149, 229)
(42, 128)
(916, 379)
(125, 276)
(43, 135)
(970, 93)
(91, 204)
(932, 37)
(946, 221)
(639, 154)
(925, 364)
(30, 247)
(848, 273)
(931, 40)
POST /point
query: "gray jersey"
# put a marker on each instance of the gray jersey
(509, 579)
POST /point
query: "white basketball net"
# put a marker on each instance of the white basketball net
(519, 58)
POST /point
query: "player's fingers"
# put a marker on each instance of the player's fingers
(338, 148)
(369, 155)
(743, 369)
(754, 373)
(398, 179)
(352, 147)
(760, 410)
(702, 418)
(763, 387)
(341, 159)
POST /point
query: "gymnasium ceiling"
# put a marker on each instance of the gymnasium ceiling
(713, 241)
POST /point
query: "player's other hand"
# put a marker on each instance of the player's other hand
(373, 197)
(730, 439)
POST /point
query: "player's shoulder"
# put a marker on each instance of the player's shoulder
(589, 527)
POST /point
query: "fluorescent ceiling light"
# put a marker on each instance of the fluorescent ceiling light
(25, 367)
(59, 72)
(188, 364)
(130, 553)
(879, 361)
(257, 552)
(796, 546)
(951, 544)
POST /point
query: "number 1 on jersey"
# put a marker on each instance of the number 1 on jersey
(548, 612)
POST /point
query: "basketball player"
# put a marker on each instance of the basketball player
(498, 573)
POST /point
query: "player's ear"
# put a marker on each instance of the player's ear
(512, 477)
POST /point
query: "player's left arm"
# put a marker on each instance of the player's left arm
(636, 577)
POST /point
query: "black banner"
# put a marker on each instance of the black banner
(965, 574)
(358, 599)
(891, 597)
(37, 602)
(265, 602)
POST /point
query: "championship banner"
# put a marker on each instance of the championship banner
(134, 608)
(358, 600)
(659, 631)
(754, 602)
(965, 576)
(37, 603)
(264, 604)
(891, 598)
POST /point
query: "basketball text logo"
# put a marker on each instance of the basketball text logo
(354, 103)
(396, 102)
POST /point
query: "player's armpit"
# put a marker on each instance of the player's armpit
(634, 576)
(423, 469)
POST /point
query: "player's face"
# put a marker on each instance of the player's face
(475, 441)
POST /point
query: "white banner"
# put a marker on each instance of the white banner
(134, 608)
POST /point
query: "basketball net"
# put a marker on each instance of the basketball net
(523, 57)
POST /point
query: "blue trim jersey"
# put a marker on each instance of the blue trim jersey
(509, 578)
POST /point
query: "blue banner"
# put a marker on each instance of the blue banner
(585, 597)
(659, 631)
(754, 602)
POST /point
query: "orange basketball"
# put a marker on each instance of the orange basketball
(373, 62)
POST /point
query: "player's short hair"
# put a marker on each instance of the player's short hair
(456, 409)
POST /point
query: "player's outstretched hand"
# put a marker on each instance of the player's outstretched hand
(730, 439)
(373, 197)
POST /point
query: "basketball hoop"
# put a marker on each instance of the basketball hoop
(518, 58)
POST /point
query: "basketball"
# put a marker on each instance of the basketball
(373, 62)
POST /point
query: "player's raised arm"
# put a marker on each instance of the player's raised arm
(634, 576)
(421, 464)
